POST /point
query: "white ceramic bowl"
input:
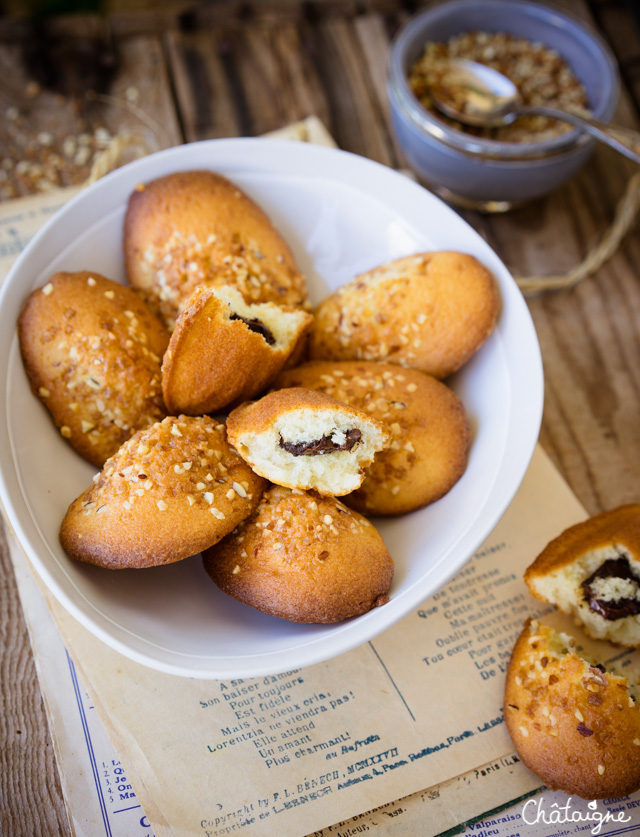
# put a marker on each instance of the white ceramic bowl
(342, 214)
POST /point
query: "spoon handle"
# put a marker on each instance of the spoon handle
(624, 140)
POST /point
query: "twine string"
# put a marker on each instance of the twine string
(108, 159)
(113, 153)
(625, 214)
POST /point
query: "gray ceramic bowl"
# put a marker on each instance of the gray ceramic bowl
(485, 174)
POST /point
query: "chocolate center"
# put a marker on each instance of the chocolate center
(610, 608)
(324, 445)
(257, 326)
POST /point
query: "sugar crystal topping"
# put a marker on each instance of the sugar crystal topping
(311, 523)
(174, 468)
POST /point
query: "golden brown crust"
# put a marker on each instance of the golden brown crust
(263, 432)
(258, 416)
(616, 526)
(196, 227)
(574, 726)
(169, 492)
(214, 363)
(92, 352)
(305, 558)
(430, 311)
(429, 428)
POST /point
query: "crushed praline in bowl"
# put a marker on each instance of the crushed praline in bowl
(489, 173)
(540, 74)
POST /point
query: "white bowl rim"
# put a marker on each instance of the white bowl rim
(375, 178)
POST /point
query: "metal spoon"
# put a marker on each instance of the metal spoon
(490, 99)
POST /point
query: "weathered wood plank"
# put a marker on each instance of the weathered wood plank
(56, 127)
(633, 81)
(590, 426)
(31, 799)
(140, 100)
(229, 84)
(226, 13)
(588, 335)
(355, 120)
(375, 36)
(205, 97)
(280, 84)
(616, 21)
(207, 100)
(295, 50)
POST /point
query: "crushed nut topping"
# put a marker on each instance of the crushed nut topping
(184, 262)
(540, 74)
(583, 729)
(152, 461)
(279, 510)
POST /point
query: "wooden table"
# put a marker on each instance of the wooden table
(187, 72)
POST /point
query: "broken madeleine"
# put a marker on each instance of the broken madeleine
(592, 571)
(574, 724)
(305, 439)
(224, 351)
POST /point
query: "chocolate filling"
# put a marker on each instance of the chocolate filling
(615, 608)
(324, 445)
(258, 326)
